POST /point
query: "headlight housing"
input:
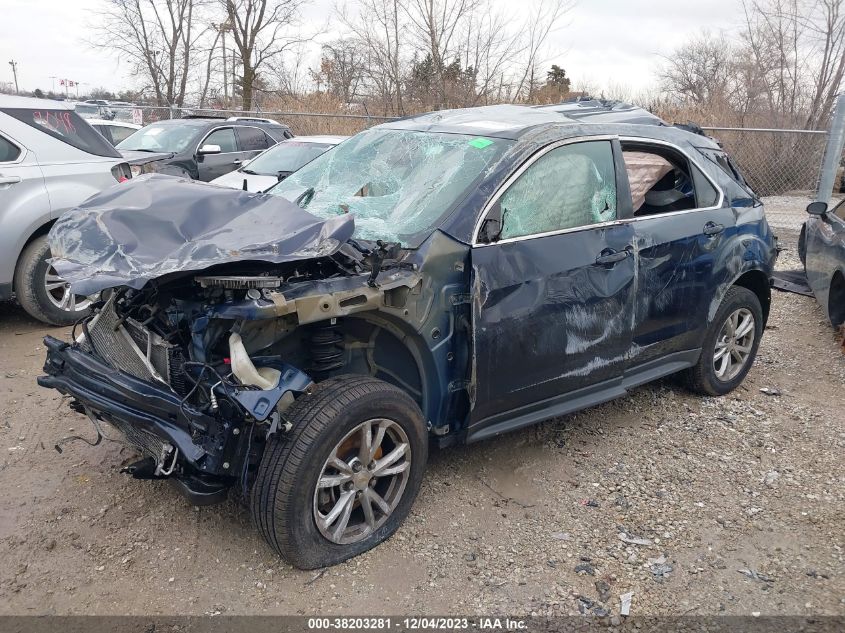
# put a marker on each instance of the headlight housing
(145, 168)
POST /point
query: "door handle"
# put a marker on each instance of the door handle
(711, 228)
(609, 256)
(9, 180)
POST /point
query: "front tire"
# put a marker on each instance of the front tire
(730, 344)
(344, 477)
(41, 292)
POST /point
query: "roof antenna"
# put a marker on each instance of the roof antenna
(245, 187)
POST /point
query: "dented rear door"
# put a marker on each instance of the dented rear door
(552, 302)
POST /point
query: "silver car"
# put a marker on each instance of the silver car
(50, 160)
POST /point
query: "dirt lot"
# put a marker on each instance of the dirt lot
(741, 500)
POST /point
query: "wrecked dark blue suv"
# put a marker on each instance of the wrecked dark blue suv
(440, 279)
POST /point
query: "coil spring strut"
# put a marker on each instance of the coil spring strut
(326, 349)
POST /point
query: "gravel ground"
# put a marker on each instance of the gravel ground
(695, 505)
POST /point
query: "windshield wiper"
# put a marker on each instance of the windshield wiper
(151, 151)
(249, 171)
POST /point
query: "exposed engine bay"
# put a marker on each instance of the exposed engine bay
(221, 353)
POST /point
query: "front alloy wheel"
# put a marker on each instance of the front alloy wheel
(345, 475)
(59, 294)
(362, 481)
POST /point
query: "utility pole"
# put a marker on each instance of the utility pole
(14, 66)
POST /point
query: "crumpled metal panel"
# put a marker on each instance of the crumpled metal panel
(155, 225)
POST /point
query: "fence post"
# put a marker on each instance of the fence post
(832, 151)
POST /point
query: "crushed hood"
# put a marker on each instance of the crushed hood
(155, 225)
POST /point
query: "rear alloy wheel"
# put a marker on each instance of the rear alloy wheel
(734, 344)
(730, 344)
(344, 477)
(40, 290)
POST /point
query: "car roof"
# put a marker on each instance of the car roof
(205, 121)
(134, 126)
(500, 121)
(514, 121)
(15, 101)
(318, 138)
(604, 111)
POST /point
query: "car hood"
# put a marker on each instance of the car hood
(156, 225)
(254, 182)
(136, 157)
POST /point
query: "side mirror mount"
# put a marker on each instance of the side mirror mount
(493, 225)
(817, 208)
(208, 148)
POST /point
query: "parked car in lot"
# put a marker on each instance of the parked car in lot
(821, 247)
(93, 111)
(50, 160)
(278, 162)
(200, 148)
(440, 279)
(114, 131)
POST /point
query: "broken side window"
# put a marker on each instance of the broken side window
(569, 187)
(662, 180)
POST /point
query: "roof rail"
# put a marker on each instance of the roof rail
(251, 118)
(201, 116)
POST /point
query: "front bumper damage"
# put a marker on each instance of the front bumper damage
(200, 455)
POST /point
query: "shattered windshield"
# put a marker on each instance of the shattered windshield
(160, 138)
(398, 183)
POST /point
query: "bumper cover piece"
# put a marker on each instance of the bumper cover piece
(116, 396)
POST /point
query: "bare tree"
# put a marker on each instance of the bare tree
(262, 30)
(541, 21)
(798, 47)
(700, 71)
(156, 37)
(341, 69)
(210, 66)
(376, 26)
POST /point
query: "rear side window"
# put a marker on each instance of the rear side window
(120, 133)
(251, 139)
(8, 151)
(224, 137)
(66, 126)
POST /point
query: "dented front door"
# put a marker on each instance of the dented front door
(553, 293)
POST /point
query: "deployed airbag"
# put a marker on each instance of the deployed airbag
(155, 225)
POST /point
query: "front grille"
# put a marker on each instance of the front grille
(129, 346)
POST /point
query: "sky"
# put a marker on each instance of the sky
(602, 43)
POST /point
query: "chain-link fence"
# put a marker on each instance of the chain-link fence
(782, 166)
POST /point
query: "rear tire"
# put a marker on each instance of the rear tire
(31, 287)
(738, 305)
(802, 246)
(285, 499)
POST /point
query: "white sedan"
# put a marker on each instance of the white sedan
(278, 162)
